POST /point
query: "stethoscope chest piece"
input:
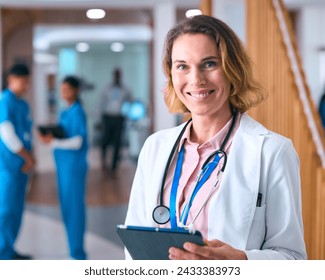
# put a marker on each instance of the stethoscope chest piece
(161, 214)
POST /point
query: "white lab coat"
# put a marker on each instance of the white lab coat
(259, 161)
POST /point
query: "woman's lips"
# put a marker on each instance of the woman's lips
(201, 94)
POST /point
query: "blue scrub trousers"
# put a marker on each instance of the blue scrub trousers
(72, 188)
(12, 201)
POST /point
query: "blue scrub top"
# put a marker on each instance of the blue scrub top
(74, 123)
(322, 110)
(16, 111)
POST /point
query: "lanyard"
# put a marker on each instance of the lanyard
(202, 178)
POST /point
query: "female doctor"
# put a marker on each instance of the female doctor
(70, 156)
(221, 173)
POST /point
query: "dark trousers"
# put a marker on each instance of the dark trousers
(112, 129)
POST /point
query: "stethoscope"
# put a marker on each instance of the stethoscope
(162, 214)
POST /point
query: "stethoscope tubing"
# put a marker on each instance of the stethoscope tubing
(171, 155)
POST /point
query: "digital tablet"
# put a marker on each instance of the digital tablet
(149, 243)
(55, 130)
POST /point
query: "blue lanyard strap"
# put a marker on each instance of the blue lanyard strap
(173, 193)
(203, 177)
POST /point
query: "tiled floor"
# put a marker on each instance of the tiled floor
(42, 234)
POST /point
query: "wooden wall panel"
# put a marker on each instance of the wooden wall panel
(283, 112)
(206, 7)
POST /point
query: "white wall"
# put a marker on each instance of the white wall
(164, 20)
(311, 37)
(232, 12)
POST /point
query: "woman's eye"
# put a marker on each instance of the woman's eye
(181, 67)
(209, 64)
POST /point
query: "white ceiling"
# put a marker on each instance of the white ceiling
(95, 3)
(128, 3)
(47, 36)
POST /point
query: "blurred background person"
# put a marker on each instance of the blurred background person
(321, 109)
(112, 119)
(16, 160)
(70, 156)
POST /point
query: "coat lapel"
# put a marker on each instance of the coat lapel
(232, 209)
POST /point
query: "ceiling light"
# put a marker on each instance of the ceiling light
(96, 13)
(82, 47)
(117, 47)
(192, 13)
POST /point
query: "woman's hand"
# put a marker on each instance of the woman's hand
(46, 139)
(212, 250)
(29, 161)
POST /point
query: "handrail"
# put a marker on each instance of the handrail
(299, 82)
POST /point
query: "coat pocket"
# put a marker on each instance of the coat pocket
(257, 230)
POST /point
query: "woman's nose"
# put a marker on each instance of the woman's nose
(197, 78)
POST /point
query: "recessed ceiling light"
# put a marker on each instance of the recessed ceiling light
(82, 47)
(117, 47)
(96, 13)
(192, 13)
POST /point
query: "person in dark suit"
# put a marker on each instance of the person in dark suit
(112, 119)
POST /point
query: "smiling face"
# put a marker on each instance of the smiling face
(198, 77)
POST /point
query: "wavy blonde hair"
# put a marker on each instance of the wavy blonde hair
(245, 91)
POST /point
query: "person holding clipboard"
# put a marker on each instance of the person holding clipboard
(70, 156)
(221, 173)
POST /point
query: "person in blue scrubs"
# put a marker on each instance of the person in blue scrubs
(321, 110)
(70, 156)
(16, 160)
